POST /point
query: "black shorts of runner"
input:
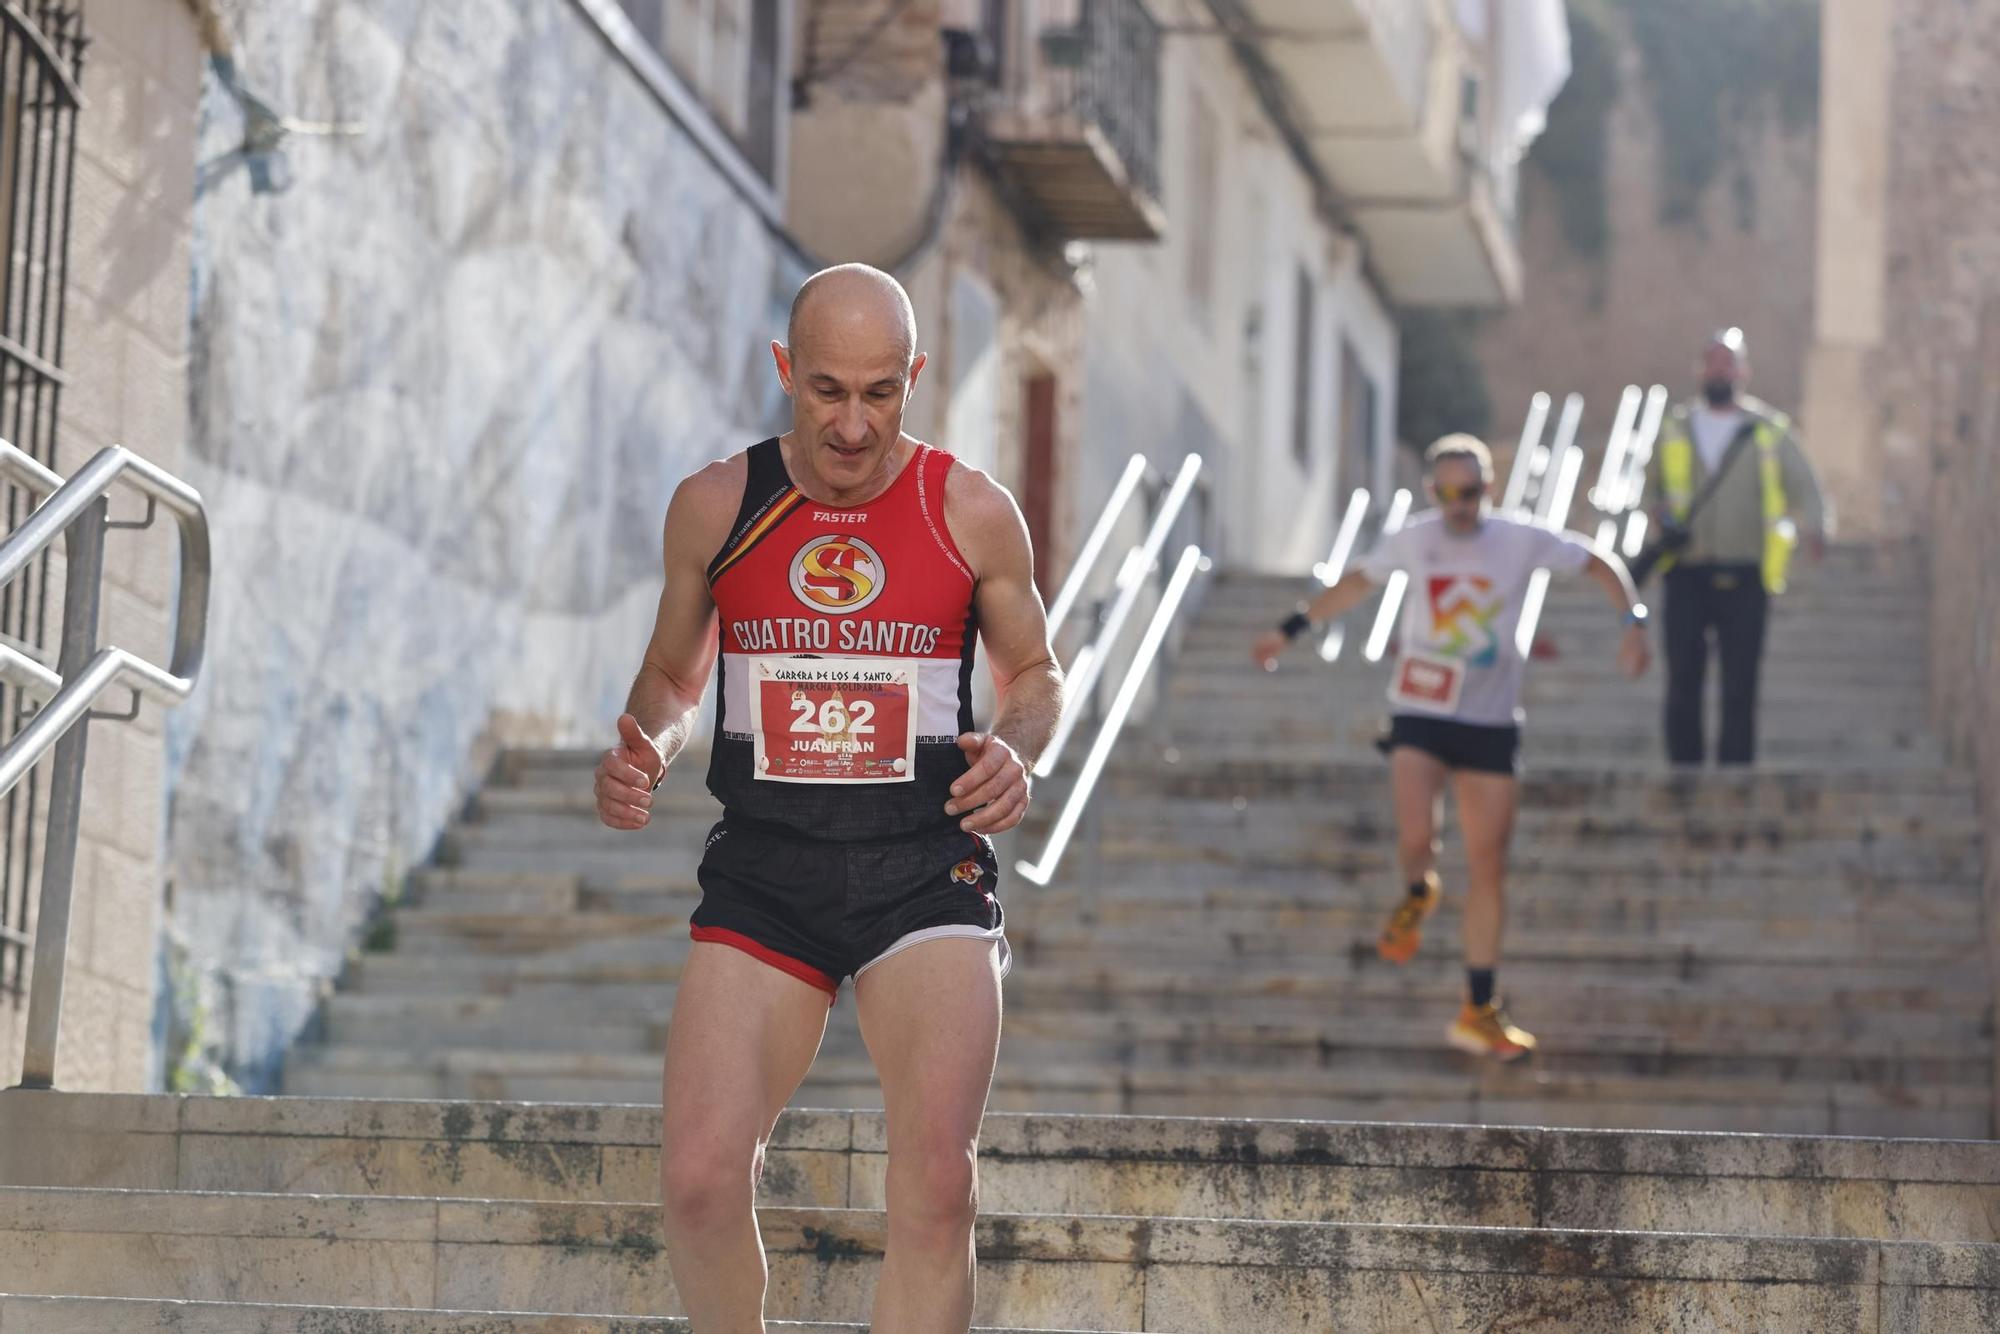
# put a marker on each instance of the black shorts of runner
(824, 911)
(1477, 747)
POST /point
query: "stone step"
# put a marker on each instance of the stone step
(1035, 1164)
(1143, 886)
(1803, 795)
(1531, 1094)
(1325, 851)
(1625, 752)
(1101, 1272)
(1538, 928)
(1232, 688)
(147, 1315)
(1667, 992)
(629, 1017)
(1628, 742)
(1916, 843)
(1631, 901)
(1372, 818)
(1675, 950)
(1368, 813)
(1576, 1040)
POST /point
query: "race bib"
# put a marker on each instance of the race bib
(1427, 683)
(834, 720)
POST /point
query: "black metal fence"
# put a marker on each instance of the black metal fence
(41, 63)
(1100, 61)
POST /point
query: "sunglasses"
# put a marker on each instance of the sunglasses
(1451, 495)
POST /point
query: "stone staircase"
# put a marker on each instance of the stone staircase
(364, 1217)
(1794, 950)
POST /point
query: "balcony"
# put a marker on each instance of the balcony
(1394, 103)
(1072, 129)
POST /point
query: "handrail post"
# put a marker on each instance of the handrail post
(82, 588)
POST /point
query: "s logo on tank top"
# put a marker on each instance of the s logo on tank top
(836, 575)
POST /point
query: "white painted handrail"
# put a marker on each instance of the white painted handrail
(1042, 871)
(1089, 664)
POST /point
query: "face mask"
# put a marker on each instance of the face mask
(1718, 392)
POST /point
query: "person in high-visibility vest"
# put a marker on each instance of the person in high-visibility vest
(1739, 544)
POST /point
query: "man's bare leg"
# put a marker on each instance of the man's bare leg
(1416, 782)
(742, 1037)
(931, 1018)
(1486, 805)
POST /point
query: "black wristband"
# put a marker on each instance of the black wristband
(1295, 625)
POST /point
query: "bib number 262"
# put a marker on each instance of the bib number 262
(833, 720)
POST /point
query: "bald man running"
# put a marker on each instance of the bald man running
(841, 573)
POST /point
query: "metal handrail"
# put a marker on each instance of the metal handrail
(1093, 546)
(1562, 455)
(1392, 591)
(78, 511)
(1041, 872)
(1089, 663)
(1554, 511)
(1620, 505)
(1527, 453)
(1330, 570)
(1611, 473)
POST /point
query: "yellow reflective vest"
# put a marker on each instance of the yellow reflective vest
(1677, 478)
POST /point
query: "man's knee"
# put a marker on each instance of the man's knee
(937, 1186)
(702, 1184)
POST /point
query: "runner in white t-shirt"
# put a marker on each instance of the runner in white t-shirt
(1455, 700)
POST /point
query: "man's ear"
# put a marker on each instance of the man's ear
(782, 356)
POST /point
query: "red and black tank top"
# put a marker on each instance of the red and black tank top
(845, 675)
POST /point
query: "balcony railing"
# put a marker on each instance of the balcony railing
(1075, 128)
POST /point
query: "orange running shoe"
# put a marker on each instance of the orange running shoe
(1483, 1030)
(1406, 925)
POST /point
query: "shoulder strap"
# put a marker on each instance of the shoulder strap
(765, 487)
(1737, 444)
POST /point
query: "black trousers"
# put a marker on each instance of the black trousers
(1731, 601)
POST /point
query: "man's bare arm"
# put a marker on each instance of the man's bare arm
(1344, 596)
(1014, 627)
(665, 699)
(1608, 572)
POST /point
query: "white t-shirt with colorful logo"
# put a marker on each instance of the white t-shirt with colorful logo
(1462, 610)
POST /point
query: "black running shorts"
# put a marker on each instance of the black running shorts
(1472, 746)
(826, 911)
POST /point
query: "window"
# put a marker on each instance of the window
(1302, 333)
(727, 52)
(1359, 406)
(1203, 198)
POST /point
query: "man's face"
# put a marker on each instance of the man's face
(1459, 491)
(850, 380)
(1722, 373)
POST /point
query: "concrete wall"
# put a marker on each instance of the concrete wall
(1858, 58)
(1935, 379)
(1639, 313)
(127, 355)
(443, 389)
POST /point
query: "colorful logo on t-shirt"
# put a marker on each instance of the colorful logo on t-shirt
(837, 574)
(1464, 611)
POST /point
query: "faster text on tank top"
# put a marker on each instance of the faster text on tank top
(845, 672)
